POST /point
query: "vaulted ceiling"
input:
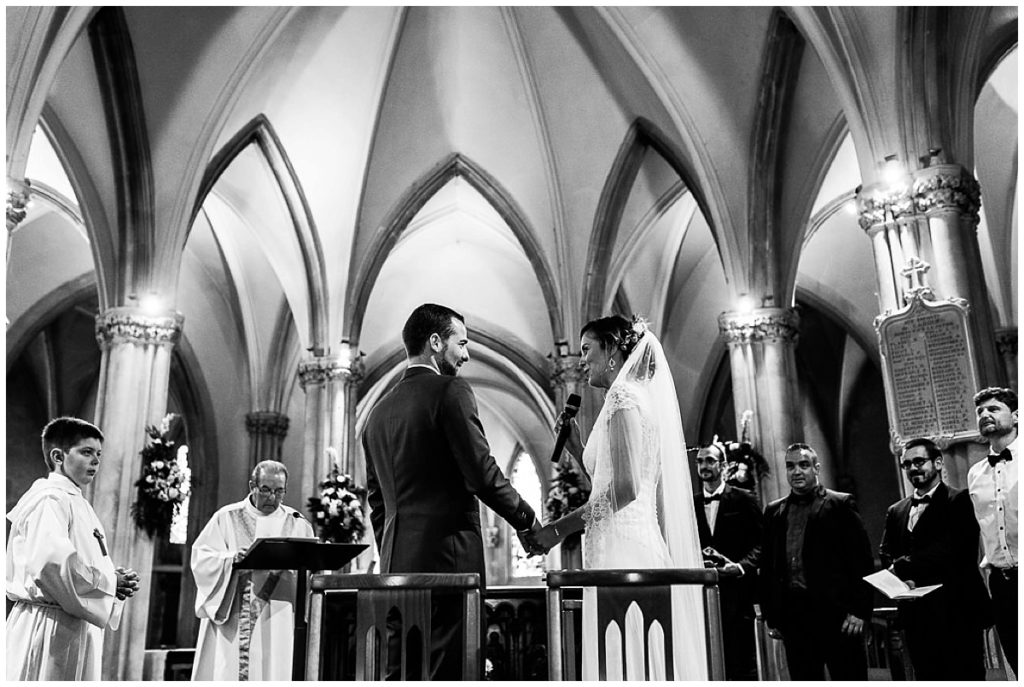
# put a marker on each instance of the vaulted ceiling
(291, 177)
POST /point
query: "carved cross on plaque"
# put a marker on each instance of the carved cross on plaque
(914, 271)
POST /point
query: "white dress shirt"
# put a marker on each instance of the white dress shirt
(711, 508)
(915, 511)
(993, 491)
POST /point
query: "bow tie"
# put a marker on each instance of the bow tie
(914, 501)
(1002, 455)
(713, 497)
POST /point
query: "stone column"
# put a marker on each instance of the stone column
(1006, 344)
(932, 214)
(134, 377)
(566, 377)
(762, 357)
(17, 203)
(329, 383)
(267, 430)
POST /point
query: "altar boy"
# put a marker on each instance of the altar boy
(59, 573)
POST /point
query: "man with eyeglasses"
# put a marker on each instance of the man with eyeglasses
(729, 526)
(814, 556)
(246, 616)
(931, 538)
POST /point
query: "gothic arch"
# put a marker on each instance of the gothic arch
(641, 136)
(831, 144)
(259, 132)
(362, 281)
(135, 223)
(33, 320)
(94, 218)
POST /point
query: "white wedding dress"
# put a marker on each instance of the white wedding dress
(640, 515)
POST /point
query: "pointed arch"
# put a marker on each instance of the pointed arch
(641, 136)
(114, 57)
(768, 246)
(102, 242)
(44, 38)
(259, 132)
(362, 281)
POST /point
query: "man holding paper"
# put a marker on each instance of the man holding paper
(931, 538)
(247, 616)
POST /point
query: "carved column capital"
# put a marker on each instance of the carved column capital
(762, 324)
(130, 325)
(327, 368)
(947, 187)
(17, 202)
(267, 422)
(1006, 340)
(879, 204)
(565, 370)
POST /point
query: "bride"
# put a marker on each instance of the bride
(640, 512)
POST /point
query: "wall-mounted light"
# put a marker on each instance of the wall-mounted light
(562, 348)
(892, 170)
(745, 304)
(151, 304)
(345, 352)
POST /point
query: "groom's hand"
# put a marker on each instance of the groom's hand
(528, 538)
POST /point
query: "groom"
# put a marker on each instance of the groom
(427, 464)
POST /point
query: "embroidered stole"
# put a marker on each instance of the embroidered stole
(252, 602)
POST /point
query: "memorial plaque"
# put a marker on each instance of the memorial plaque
(929, 369)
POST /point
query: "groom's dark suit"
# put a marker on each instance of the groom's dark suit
(944, 629)
(427, 463)
(737, 536)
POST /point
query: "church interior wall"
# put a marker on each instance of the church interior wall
(531, 167)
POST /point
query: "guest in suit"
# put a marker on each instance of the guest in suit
(729, 526)
(932, 538)
(428, 465)
(992, 484)
(814, 555)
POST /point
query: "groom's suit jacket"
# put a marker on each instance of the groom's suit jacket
(942, 549)
(427, 463)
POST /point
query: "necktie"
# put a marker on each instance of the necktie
(994, 458)
(714, 497)
(914, 501)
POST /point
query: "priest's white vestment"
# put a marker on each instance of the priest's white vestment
(63, 583)
(247, 616)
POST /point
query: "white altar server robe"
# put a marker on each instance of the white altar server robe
(63, 583)
(246, 616)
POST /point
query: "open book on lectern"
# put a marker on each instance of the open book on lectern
(298, 553)
(895, 588)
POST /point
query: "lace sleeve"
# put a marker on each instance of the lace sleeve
(620, 461)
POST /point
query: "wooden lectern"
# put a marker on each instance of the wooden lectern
(302, 555)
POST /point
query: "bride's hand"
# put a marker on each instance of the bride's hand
(574, 443)
(546, 537)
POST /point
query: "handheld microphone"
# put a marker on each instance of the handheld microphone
(572, 406)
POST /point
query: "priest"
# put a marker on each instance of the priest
(66, 590)
(246, 616)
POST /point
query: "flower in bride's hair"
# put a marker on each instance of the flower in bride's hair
(640, 325)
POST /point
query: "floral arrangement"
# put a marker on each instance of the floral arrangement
(166, 480)
(338, 510)
(567, 492)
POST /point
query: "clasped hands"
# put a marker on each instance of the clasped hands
(538, 540)
(127, 583)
